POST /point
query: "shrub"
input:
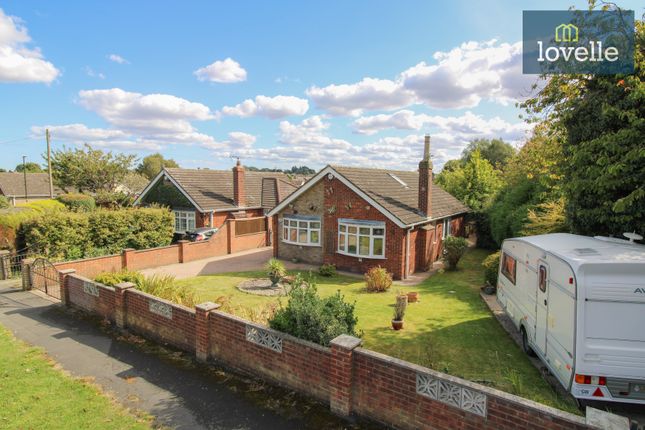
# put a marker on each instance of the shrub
(275, 270)
(112, 278)
(113, 199)
(491, 267)
(399, 307)
(70, 235)
(453, 249)
(378, 279)
(327, 270)
(4, 202)
(77, 202)
(309, 317)
(162, 286)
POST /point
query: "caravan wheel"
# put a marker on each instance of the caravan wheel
(525, 343)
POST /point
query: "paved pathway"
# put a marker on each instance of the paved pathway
(180, 397)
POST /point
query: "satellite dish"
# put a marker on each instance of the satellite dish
(633, 236)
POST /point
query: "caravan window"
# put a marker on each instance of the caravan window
(508, 267)
(542, 280)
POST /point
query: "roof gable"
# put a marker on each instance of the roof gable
(212, 190)
(394, 193)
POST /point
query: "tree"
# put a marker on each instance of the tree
(603, 120)
(30, 167)
(475, 184)
(496, 151)
(89, 170)
(151, 165)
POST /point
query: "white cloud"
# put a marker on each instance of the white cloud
(79, 134)
(270, 107)
(137, 120)
(368, 94)
(18, 63)
(117, 59)
(459, 78)
(466, 75)
(238, 144)
(466, 126)
(92, 73)
(223, 71)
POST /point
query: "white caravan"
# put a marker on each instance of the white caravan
(579, 303)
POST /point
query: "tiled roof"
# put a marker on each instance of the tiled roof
(213, 189)
(400, 197)
(13, 184)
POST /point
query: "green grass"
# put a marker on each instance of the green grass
(36, 395)
(450, 329)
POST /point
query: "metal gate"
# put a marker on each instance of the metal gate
(44, 277)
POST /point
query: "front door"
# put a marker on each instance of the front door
(542, 306)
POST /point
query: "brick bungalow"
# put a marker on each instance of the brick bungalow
(208, 198)
(12, 186)
(357, 218)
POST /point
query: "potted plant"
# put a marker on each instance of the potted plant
(413, 296)
(399, 311)
(275, 271)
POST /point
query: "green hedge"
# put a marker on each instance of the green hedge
(71, 235)
(78, 202)
(13, 217)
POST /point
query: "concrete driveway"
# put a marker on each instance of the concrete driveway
(244, 261)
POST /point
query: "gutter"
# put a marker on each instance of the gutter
(407, 253)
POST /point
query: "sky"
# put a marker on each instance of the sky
(278, 83)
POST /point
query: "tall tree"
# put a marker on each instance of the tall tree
(603, 118)
(151, 165)
(29, 167)
(475, 184)
(89, 170)
(496, 151)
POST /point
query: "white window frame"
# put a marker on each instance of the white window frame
(288, 226)
(188, 217)
(445, 231)
(344, 235)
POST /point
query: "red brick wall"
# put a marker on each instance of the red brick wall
(348, 204)
(91, 267)
(102, 305)
(215, 246)
(303, 366)
(153, 257)
(353, 380)
(385, 389)
(179, 330)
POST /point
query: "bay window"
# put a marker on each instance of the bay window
(184, 221)
(361, 238)
(301, 230)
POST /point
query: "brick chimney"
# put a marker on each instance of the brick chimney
(239, 196)
(425, 180)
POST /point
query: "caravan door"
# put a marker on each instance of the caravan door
(542, 306)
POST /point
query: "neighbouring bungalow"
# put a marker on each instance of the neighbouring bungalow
(208, 198)
(13, 187)
(358, 218)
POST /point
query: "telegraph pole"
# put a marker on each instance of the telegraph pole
(49, 165)
(24, 175)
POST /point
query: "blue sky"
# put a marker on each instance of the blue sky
(278, 83)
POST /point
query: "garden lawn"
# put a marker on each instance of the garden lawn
(451, 329)
(35, 395)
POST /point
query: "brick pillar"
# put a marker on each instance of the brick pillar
(202, 335)
(26, 272)
(126, 258)
(230, 230)
(62, 281)
(119, 303)
(340, 393)
(276, 236)
(182, 250)
(5, 264)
